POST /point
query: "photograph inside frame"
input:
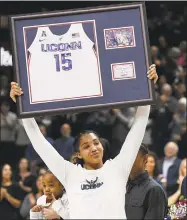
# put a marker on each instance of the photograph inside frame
(121, 37)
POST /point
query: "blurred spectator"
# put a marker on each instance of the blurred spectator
(8, 122)
(10, 195)
(43, 130)
(179, 119)
(182, 104)
(182, 58)
(30, 199)
(22, 141)
(54, 128)
(152, 166)
(45, 121)
(170, 68)
(182, 174)
(100, 122)
(77, 122)
(148, 134)
(162, 82)
(7, 134)
(72, 119)
(4, 86)
(169, 168)
(179, 88)
(163, 46)
(171, 101)
(155, 56)
(64, 144)
(161, 117)
(24, 177)
(31, 154)
(121, 120)
(5, 58)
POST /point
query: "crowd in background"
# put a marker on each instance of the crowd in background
(165, 135)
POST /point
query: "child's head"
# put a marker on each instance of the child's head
(51, 185)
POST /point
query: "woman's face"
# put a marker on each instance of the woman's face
(39, 183)
(150, 165)
(90, 149)
(23, 164)
(6, 172)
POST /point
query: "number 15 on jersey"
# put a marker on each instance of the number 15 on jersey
(63, 62)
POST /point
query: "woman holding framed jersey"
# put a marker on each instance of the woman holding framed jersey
(93, 188)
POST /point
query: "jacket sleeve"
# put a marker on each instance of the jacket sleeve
(155, 209)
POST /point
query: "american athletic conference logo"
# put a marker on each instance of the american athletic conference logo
(92, 184)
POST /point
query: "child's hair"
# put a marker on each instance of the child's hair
(48, 171)
(78, 137)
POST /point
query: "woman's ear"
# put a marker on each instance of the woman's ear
(78, 155)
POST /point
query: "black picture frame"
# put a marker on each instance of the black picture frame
(22, 113)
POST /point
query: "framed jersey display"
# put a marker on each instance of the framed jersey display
(81, 60)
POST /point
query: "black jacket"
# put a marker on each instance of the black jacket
(145, 199)
(172, 176)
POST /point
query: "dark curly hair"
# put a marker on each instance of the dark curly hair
(156, 169)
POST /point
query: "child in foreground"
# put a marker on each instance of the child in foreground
(53, 204)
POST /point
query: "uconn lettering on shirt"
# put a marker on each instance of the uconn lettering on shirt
(91, 184)
(61, 47)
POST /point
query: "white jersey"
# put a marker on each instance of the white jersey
(93, 194)
(63, 67)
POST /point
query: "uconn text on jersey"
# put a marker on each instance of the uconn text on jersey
(61, 46)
